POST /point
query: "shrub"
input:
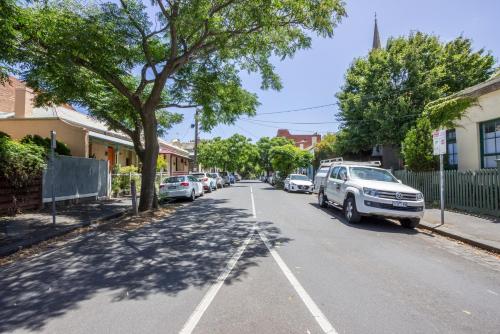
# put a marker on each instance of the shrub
(20, 163)
(4, 135)
(417, 147)
(121, 180)
(61, 148)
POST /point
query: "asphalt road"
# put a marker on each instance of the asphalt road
(276, 263)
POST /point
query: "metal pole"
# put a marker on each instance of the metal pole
(134, 197)
(195, 162)
(441, 185)
(53, 174)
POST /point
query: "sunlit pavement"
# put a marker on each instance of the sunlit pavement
(252, 259)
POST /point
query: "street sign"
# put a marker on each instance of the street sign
(439, 142)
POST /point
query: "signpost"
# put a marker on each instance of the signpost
(439, 148)
(53, 174)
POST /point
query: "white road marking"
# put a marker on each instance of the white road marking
(320, 318)
(212, 292)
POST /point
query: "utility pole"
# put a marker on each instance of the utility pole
(195, 162)
(53, 174)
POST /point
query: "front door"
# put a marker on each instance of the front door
(111, 157)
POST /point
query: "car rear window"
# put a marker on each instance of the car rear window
(174, 179)
(198, 175)
(212, 174)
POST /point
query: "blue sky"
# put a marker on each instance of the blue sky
(313, 76)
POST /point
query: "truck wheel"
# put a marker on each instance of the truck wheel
(350, 212)
(322, 199)
(409, 222)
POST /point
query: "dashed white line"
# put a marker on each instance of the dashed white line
(212, 292)
(320, 318)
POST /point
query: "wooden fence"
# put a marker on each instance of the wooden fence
(12, 200)
(472, 191)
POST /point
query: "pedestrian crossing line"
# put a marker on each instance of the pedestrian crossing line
(318, 315)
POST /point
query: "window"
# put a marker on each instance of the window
(490, 143)
(451, 149)
(373, 174)
(342, 173)
(333, 174)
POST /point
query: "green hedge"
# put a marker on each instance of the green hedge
(20, 163)
(61, 148)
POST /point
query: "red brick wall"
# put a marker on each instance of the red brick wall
(7, 94)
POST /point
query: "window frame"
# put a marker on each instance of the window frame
(451, 141)
(482, 143)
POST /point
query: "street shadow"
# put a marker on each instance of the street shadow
(375, 224)
(189, 249)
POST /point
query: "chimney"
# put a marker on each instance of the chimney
(23, 103)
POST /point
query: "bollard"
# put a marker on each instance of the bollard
(134, 197)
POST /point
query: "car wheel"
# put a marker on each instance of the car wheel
(409, 222)
(322, 200)
(209, 190)
(193, 196)
(350, 211)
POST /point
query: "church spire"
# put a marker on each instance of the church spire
(376, 36)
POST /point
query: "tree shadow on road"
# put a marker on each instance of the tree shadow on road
(375, 224)
(189, 249)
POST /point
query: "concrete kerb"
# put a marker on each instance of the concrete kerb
(34, 241)
(461, 238)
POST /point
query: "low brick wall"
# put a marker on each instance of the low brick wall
(12, 200)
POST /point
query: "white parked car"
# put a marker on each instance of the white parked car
(209, 183)
(366, 190)
(219, 181)
(298, 183)
(184, 186)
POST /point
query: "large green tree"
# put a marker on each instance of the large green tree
(325, 149)
(131, 62)
(264, 146)
(386, 91)
(286, 158)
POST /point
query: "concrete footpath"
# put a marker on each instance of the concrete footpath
(482, 232)
(27, 229)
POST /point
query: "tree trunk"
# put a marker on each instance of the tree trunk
(151, 148)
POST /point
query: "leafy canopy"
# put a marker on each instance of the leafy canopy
(264, 146)
(285, 159)
(386, 92)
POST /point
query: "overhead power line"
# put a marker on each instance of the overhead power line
(300, 109)
(305, 123)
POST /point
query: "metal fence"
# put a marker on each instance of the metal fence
(472, 191)
(75, 178)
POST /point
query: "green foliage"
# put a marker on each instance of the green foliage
(446, 111)
(285, 159)
(20, 163)
(61, 148)
(122, 177)
(386, 92)
(161, 164)
(4, 135)
(325, 149)
(235, 153)
(264, 146)
(417, 147)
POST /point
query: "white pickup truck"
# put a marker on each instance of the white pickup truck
(364, 189)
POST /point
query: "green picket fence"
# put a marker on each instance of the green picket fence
(471, 191)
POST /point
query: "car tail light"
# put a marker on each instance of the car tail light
(205, 179)
(184, 184)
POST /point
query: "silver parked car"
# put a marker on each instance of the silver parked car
(209, 183)
(219, 181)
(184, 186)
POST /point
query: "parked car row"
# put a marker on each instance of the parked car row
(360, 189)
(195, 184)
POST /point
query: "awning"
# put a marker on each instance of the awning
(168, 150)
(110, 138)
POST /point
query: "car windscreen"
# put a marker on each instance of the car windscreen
(299, 177)
(373, 174)
(174, 179)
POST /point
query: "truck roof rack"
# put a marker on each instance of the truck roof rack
(363, 163)
(331, 160)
